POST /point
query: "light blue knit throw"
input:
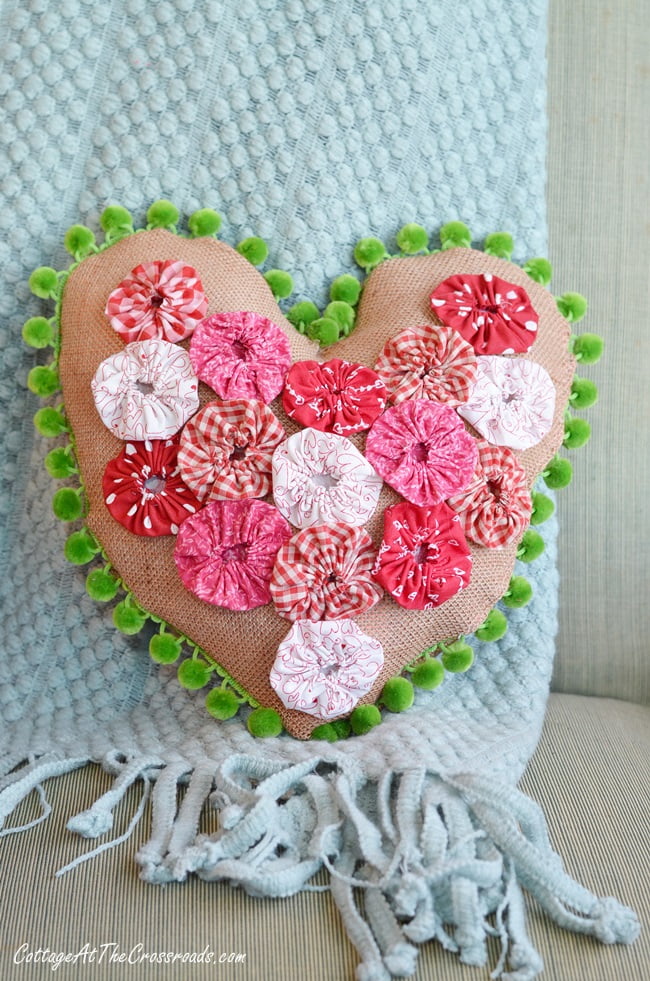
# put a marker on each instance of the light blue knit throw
(311, 123)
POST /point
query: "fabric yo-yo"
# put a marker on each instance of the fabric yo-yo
(423, 559)
(422, 449)
(226, 450)
(146, 391)
(162, 299)
(143, 489)
(324, 573)
(241, 355)
(495, 316)
(336, 396)
(226, 551)
(428, 362)
(324, 668)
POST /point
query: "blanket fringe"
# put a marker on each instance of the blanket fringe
(419, 856)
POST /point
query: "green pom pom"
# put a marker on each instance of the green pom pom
(428, 674)
(43, 380)
(164, 648)
(204, 222)
(543, 508)
(323, 330)
(37, 332)
(346, 288)
(59, 464)
(558, 473)
(499, 244)
(457, 657)
(342, 314)
(280, 283)
(128, 619)
(326, 731)
(588, 348)
(397, 694)
(539, 270)
(222, 703)
(364, 718)
(342, 728)
(531, 546)
(455, 235)
(116, 222)
(80, 548)
(301, 315)
(584, 393)
(254, 249)
(264, 722)
(519, 593)
(50, 423)
(576, 433)
(101, 585)
(412, 238)
(44, 282)
(162, 214)
(193, 674)
(79, 241)
(493, 627)
(572, 306)
(67, 505)
(369, 252)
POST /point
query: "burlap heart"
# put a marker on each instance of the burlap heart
(395, 296)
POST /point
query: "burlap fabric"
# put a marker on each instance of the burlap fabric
(395, 296)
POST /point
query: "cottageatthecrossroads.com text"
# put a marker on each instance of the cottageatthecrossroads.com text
(113, 953)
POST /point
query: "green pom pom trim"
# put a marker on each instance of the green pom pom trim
(369, 252)
(128, 619)
(38, 333)
(531, 546)
(59, 464)
(588, 348)
(80, 548)
(324, 330)
(456, 657)
(346, 288)
(50, 423)
(79, 241)
(254, 249)
(364, 718)
(540, 270)
(116, 222)
(222, 704)
(412, 239)
(455, 235)
(499, 244)
(264, 722)
(342, 728)
(204, 222)
(519, 593)
(326, 732)
(558, 473)
(428, 674)
(44, 282)
(494, 627)
(67, 505)
(576, 433)
(280, 283)
(101, 585)
(543, 508)
(164, 648)
(43, 380)
(572, 306)
(193, 674)
(302, 315)
(584, 393)
(162, 214)
(397, 694)
(342, 314)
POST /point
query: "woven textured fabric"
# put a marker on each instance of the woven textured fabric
(311, 124)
